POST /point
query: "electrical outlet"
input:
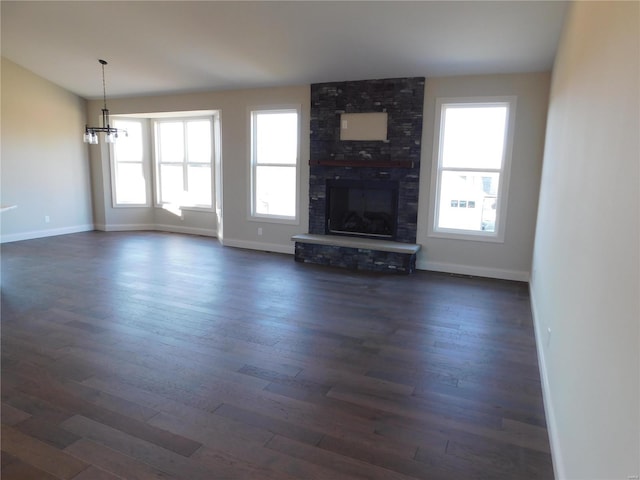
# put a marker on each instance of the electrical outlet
(259, 230)
(47, 219)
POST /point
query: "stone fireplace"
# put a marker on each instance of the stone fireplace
(375, 182)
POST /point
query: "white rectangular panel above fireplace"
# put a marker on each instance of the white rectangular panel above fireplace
(363, 126)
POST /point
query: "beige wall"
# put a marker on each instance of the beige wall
(511, 259)
(585, 284)
(508, 260)
(44, 164)
(236, 228)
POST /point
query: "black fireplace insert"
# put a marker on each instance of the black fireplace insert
(362, 208)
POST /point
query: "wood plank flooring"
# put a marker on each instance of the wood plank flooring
(162, 356)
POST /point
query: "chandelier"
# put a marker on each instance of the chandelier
(110, 133)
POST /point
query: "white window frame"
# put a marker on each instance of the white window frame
(144, 162)
(498, 234)
(212, 117)
(262, 217)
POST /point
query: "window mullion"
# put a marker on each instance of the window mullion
(276, 164)
(185, 163)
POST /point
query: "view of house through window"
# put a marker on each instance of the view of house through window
(274, 161)
(472, 167)
(183, 155)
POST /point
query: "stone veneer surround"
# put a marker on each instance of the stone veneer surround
(402, 99)
(396, 159)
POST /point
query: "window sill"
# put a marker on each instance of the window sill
(273, 219)
(467, 235)
(186, 208)
(199, 209)
(131, 205)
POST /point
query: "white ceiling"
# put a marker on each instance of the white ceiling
(183, 46)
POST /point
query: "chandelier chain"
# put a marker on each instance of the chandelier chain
(111, 133)
(104, 85)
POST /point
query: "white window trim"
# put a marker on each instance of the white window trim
(498, 235)
(265, 218)
(145, 167)
(183, 117)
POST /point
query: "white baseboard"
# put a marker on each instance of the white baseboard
(473, 270)
(128, 227)
(207, 232)
(16, 237)
(267, 247)
(552, 425)
(159, 228)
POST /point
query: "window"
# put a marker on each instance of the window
(129, 183)
(471, 174)
(183, 154)
(274, 164)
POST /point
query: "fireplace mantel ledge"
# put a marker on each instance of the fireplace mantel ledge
(354, 242)
(364, 163)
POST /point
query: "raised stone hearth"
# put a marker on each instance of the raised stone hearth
(356, 253)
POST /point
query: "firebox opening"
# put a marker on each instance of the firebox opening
(362, 208)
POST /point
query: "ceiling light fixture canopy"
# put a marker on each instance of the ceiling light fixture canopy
(110, 133)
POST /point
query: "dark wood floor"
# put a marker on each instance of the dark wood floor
(150, 355)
